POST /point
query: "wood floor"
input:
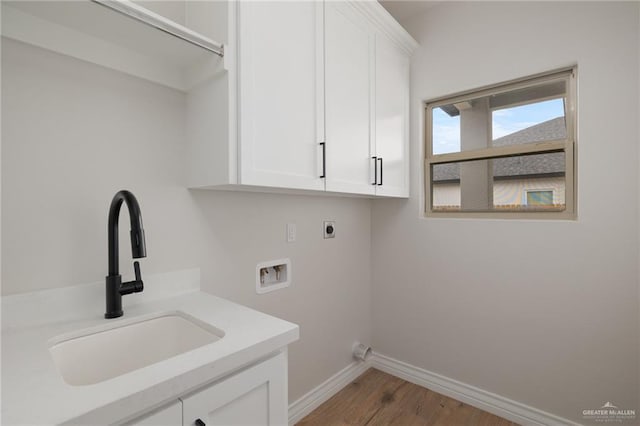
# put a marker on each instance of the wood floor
(377, 398)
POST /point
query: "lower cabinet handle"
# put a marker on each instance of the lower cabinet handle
(381, 168)
(375, 170)
(199, 422)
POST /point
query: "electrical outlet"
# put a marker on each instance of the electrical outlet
(329, 228)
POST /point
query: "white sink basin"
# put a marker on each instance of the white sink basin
(95, 355)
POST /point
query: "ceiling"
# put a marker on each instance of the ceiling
(403, 9)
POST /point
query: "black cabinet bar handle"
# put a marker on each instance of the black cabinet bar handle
(324, 164)
(381, 168)
(375, 170)
(199, 422)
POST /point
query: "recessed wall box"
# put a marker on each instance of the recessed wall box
(273, 275)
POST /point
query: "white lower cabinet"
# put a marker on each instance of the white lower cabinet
(256, 395)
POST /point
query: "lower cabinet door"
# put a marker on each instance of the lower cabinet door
(255, 396)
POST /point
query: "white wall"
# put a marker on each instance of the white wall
(75, 133)
(542, 312)
(562, 336)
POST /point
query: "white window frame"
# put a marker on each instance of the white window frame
(568, 146)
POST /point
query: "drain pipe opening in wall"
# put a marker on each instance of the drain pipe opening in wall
(361, 351)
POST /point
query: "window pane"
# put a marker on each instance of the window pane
(523, 183)
(445, 195)
(539, 198)
(532, 114)
(537, 122)
(446, 132)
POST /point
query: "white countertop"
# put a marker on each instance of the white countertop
(33, 392)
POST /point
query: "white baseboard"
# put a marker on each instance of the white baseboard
(479, 398)
(314, 398)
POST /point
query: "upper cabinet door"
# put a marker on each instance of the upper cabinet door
(348, 71)
(392, 118)
(281, 86)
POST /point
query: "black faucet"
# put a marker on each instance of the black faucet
(115, 288)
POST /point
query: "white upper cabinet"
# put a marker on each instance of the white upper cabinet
(367, 103)
(280, 96)
(349, 71)
(391, 119)
(315, 97)
(281, 79)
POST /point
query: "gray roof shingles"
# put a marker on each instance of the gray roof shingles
(529, 165)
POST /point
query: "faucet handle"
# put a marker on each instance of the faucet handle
(135, 286)
(136, 269)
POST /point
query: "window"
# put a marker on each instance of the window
(539, 198)
(503, 151)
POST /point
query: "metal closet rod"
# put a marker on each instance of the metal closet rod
(146, 17)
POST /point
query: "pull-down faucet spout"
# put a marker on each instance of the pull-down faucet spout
(115, 289)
